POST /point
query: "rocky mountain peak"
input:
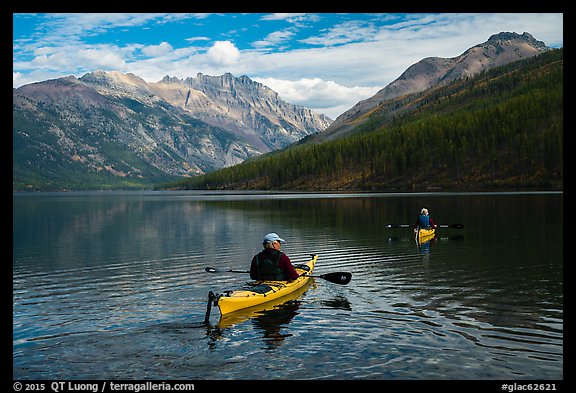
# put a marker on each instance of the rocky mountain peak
(243, 105)
(226, 79)
(171, 79)
(228, 82)
(116, 83)
(112, 78)
(510, 36)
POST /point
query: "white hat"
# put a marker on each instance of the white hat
(269, 238)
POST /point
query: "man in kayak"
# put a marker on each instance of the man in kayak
(424, 221)
(271, 263)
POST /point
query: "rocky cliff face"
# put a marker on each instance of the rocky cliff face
(243, 106)
(500, 49)
(114, 123)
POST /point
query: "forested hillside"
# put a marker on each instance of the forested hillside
(501, 128)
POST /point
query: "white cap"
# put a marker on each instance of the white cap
(269, 238)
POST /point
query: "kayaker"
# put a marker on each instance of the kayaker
(271, 263)
(424, 221)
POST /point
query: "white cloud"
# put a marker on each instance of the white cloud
(75, 58)
(95, 58)
(192, 39)
(54, 60)
(223, 53)
(327, 97)
(275, 38)
(283, 16)
(157, 50)
(344, 33)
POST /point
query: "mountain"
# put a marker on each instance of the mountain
(247, 108)
(500, 49)
(244, 106)
(114, 130)
(499, 129)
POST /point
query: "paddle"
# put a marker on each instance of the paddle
(342, 278)
(454, 226)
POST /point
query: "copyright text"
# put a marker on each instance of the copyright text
(100, 387)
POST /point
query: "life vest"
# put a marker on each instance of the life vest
(424, 222)
(267, 265)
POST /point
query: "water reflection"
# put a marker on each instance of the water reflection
(273, 323)
(339, 302)
(424, 247)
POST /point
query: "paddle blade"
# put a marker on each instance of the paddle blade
(342, 278)
(214, 270)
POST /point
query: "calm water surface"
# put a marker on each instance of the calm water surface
(112, 285)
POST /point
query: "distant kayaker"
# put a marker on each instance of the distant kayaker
(424, 221)
(271, 263)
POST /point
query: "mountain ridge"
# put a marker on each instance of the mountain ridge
(499, 49)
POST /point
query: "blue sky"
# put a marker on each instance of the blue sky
(325, 61)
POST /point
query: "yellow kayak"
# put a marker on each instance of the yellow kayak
(261, 292)
(245, 314)
(424, 235)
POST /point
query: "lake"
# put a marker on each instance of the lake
(112, 285)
